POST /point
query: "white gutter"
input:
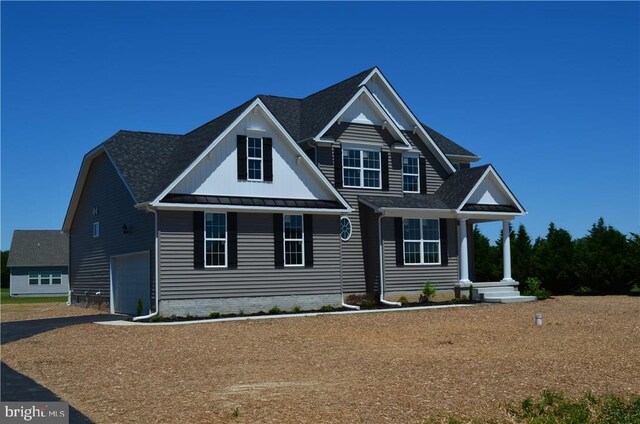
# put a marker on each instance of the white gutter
(382, 299)
(157, 265)
(344, 304)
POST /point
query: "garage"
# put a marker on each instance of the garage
(130, 281)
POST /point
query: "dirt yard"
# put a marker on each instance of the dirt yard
(23, 311)
(383, 367)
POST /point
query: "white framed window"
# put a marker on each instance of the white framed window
(215, 240)
(56, 278)
(254, 159)
(96, 229)
(361, 168)
(410, 174)
(34, 278)
(421, 241)
(45, 278)
(345, 228)
(293, 240)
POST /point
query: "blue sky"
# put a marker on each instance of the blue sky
(549, 93)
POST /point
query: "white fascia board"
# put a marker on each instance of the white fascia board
(415, 120)
(464, 158)
(365, 91)
(252, 209)
(256, 103)
(490, 216)
(418, 213)
(492, 171)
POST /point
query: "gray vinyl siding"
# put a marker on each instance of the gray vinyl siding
(412, 277)
(436, 173)
(89, 268)
(19, 281)
(256, 274)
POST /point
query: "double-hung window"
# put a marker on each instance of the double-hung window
(254, 159)
(361, 168)
(56, 278)
(215, 239)
(421, 241)
(410, 174)
(293, 240)
(34, 278)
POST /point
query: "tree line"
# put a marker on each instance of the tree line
(605, 261)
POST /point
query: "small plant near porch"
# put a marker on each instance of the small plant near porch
(533, 287)
(428, 290)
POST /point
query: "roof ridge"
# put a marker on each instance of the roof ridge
(224, 114)
(149, 132)
(279, 97)
(367, 71)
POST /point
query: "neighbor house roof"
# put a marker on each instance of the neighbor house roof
(150, 162)
(38, 248)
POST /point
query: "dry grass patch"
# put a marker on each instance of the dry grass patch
(19, 312)
(386, 367)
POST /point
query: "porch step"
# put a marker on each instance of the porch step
(498, 293)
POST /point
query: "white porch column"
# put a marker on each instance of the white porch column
(464, 253)
(506, 253)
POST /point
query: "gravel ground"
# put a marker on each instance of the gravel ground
(385, 367)
(19, 312)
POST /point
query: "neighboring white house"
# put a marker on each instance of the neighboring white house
(39, 263)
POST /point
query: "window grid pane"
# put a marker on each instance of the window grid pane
(215, 239)
(421, 241)
(410, 183)
(410, 174)
(361, 168)
(293, 240)
(33, 278)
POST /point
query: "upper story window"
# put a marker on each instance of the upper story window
(361, 168)
(410, 174)
(421, 241)
(293, 240)
(254, 159)
(96, 229)
(215, 239)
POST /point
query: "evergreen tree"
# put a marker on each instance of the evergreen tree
(521, 255)
(553, 261)
(602, 262)
(486, 267)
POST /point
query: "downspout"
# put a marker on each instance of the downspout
(344, 304)
(382, 299)
(157, 268)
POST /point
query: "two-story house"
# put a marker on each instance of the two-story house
(282, 202)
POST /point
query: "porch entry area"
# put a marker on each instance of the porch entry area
(503, 291)
(130, 281)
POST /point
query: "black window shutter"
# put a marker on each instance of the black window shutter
(384, 158)
(232, 240)
(242, 157)
(198, 240)
(337, 166)
(423, 175)
(308, 241)
(444, 252)
(278, 240)
(399, 234)
(267, 145)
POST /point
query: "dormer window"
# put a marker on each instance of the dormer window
(361, 168)
(254, 159)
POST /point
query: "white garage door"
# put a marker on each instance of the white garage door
(130, 280)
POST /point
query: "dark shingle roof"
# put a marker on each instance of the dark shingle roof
(39, 248)
(149, 162)
(447, 146)
(449, 196)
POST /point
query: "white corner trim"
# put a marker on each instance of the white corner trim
(257, 103)
(492, 171)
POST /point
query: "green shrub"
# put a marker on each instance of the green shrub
(156, 318)
(214, 315)
(327, 308)
(241, 313)
(367, 303)
(188, 317)
(584, 291)
(235, 412)
(428, 290)
(274, 310)
(403, 300)
(296, 309)
(635, 291)
(533, 287)
(139, 306)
